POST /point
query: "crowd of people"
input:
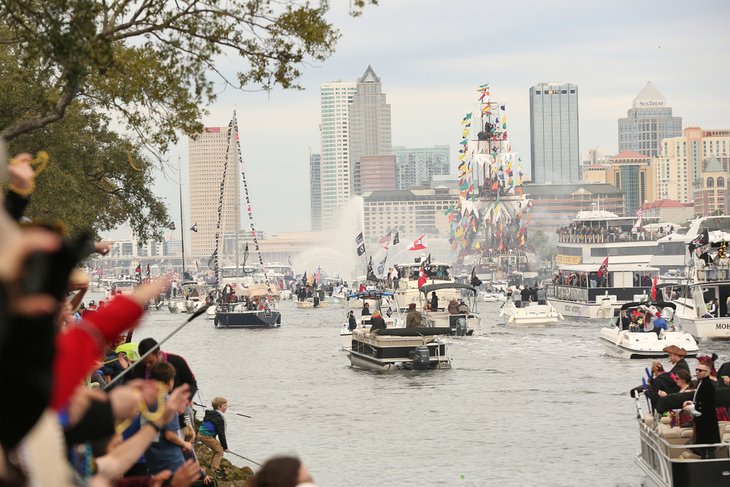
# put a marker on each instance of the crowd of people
(134, 426)
(702, 412)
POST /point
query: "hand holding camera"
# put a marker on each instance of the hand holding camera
(689, 406)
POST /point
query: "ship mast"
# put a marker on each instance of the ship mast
(182, 223)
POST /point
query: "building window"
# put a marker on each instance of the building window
(720, 182)
(710, 183)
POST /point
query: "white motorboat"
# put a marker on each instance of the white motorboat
(627, 343)
(408, 290)
(463, 323)
(383, 301)
(532, 314)
(400, 348)
(491, 296)
(665, 455)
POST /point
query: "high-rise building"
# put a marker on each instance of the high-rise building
(378, 173)
(632, 173)
(554, 149)
(335, 100)
(648, 121)
(206, 161)
(416, 167)
(710, 190)
(315, 191)
(682, 160)
(370, 133)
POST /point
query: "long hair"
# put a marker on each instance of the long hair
(277, 472)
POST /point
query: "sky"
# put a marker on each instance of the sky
(431, 55)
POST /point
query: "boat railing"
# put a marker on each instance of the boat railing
(713, 273)
(593, 294)
(608, 237)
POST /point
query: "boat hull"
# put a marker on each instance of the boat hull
(708, 328)
(533, 315)
(586, 311)
(247, 319)
(638, 345)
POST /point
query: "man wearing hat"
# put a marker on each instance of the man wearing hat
(705, 424)
(676, 356)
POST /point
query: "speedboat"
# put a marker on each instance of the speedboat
(467, 323)
(665, 456)
(636, 343)
(531, 314)
(400, 349)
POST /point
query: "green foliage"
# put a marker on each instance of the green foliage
(94, 180)
(151, 61)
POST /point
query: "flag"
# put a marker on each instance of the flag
(360, 242)
(700, 240)
(475, 281)
(422, 278)
(396, 240)
(148, 271)
(380, 271)
(639, 214)
(194, 228)
(317, 276)
(653, 288)
(289, 260)
(171, 226)
(419, 243)
(138, 271)
(604, 268)
(385, 241)
(304, 279)
(427, 263)
(371, 274)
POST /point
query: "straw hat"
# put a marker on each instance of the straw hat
(673, 349)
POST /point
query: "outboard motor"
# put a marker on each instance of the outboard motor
(420, 358)
(461, 327)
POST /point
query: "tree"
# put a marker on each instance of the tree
(94, 179)
(150, 60)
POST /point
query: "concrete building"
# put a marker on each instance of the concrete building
(594, 173)
(335, 100)
(410, 212)
(632, 173)
(418, 166)
(556, 205)
(682, 159)
(315, 191)
(369, 133)
(648, 121)
(206, 161)
(710, 190)
(378, 173)
(554, 148)
(671, 211)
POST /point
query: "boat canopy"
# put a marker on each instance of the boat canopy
(259, 290)
(658, 304)
(427, 288)
(371, 294)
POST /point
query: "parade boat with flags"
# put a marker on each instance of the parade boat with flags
(625, 335)
(703, 304)
(488, 225)
(586, 247)
(258, 304)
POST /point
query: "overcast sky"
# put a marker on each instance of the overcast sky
(431, 55)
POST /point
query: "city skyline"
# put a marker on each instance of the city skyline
(430, 82)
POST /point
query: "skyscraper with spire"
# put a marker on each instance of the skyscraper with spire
(370, 130)
(648, 121)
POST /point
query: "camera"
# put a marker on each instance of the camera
(691, 410)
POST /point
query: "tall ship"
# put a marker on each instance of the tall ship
(488, 226)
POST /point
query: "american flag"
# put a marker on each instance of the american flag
(639, 213)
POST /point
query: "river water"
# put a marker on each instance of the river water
(521, 406)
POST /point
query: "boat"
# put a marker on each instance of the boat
(627, 343)
(383, 301)
(531, 314)
(671, 256)
(709, 279)
(408, 290)
(256, 308)
(123, 286)
(578, 291)
(460, 323)
(400, 349)
(664, 449)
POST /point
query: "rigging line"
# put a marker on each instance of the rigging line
(241, 456)
(215, 256)
(248, 203)
(197, 313)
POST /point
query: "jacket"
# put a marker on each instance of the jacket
(213, 424)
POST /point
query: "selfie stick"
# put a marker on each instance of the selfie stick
(197, 313)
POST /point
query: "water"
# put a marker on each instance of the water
(521, 406)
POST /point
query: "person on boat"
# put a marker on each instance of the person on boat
(525, 295)
(233, 297)
(676, 357)
(541, 295)
(351, 321)
(680, 417)
(709, 360)
(712, 308)
(365, 309)
(414, 319)
(377, 322)
(723, 374)
(706, 428)
(463, 308)
(214, 424)
(660, 324)
(434, 302)
(453, 307)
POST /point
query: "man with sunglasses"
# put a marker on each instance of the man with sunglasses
(706, 429)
